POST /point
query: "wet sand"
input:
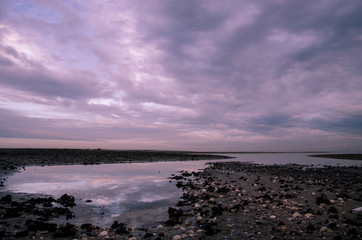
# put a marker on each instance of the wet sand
(229, 200)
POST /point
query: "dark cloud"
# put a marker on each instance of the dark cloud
(348, 124)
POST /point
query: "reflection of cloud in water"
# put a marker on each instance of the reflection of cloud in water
(116, 190)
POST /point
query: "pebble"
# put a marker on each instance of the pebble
(323, 229)
(176, 237)
(297, 215)
(308, 215)
(273, 216)
(103, 234)
(132, 238)
(160, 227)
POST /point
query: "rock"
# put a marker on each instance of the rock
(6, 199)
(87, 226)
(297, 215)
(120, 228)
(322, 199)
(12, 212)
(174, 216)
(66, 200)
(357, 211)
(308, 215)
(103, 234)
(35, 225)
(343, 195)
(148, 235)
(323, 229)
(310, 228)
(332, 226)
(21, 233)
(273, 216)
(333, 210)
(177, 237)
(352, 232)
(67, 230)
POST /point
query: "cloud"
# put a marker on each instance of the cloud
(184, 74)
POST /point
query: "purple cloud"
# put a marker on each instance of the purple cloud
(197, 75)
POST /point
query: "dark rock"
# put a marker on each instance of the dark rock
(179, 184)
(115, 224)
(333, 210)
(245, 202)
(210, 189)
(3, 234)
(6, 199)
(21, 234)
(69, 215)
(67, 230)
(322, 199)
(119, 228)
(175, 214)
(332, 226)
(35, 225)
(186, 174)
(148, 235)
(67, 200)
(122, 230)
(267, 197)
(47, 204)
(311, 228)
(343, 195)
(333, 216)
(235, 208)
(217, 210)
(352, 232)
(87, 226)
(12, 212)
(223, 190)
(209, 228)
(177, 177)
(15, 204)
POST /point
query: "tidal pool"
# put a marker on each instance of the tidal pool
(137, 194)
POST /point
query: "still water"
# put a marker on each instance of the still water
(137, 194)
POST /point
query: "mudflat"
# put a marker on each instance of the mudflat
(229, 200)
(339, 156)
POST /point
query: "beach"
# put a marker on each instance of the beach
(228, 200)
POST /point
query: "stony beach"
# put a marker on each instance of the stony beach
(229, 200)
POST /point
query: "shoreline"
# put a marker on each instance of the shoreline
(229, 200)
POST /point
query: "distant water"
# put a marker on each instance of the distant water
(292, 158)
(138, 193)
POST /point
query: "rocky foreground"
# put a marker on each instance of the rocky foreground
(224, 201)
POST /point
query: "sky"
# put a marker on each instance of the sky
(207, 75)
